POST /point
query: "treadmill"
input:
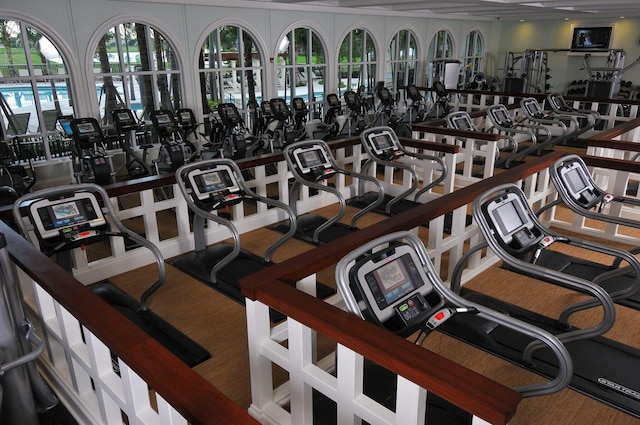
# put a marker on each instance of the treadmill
(604, 369)
(311, 164)
(384, 148)
(392, 283)
(210, 188)
(68, 217)
(580, 193)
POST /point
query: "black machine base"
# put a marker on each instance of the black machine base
(397, 208)
(308, 223)
(171, 338)
(604, 370)
(199, 265)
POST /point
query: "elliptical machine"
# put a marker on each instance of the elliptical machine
(188, 128)
(300, 114)
(128, 127)
(356, 122)
(91, 162)
(330, 127)
(173, 153)
(235, 135)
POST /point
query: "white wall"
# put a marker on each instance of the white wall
(75, 25)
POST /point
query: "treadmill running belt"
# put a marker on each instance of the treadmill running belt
(604, 370)
(171, 338)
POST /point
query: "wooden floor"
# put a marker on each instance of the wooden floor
(219, 324)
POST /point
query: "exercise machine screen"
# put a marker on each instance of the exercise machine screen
(394, 284)
(75, 217)
(501, 117)
(578, 184)
(462, 123)
(214, 184)
(384, 144)
(125, 120)
(313, 162)
(510, 220)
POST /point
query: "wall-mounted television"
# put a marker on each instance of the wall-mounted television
(591, 38)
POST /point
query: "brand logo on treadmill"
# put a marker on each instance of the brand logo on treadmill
(620, 388)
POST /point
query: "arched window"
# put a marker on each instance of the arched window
(402, 60)
(231, 68)
(134, 66)
(34, 91)
(472, 57)
(357, 62)
(440, 53)
(301, 66)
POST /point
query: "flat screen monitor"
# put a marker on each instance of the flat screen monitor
(310, 158)
(390, 277)
(206, 182)
(51, 218)
(591, 38)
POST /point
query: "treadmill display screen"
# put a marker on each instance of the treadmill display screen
(575, 180)
(461, 123)
(502, 117)
(50, 217)
(311, 158)
(508, 217)
(393, 280)
(382, 141)
(206, 183)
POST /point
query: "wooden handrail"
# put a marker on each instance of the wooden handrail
(495, 404)
(605, 138)
(196, 399)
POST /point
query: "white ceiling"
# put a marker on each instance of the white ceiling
(487, 9)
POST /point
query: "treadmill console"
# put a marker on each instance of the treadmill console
(86, 132)
(384, 144)
(511, 224)
(501, 117)
(462, 122)
(214, 188)
(125, 120)
(313, 163)
(229, 114)
(393, 289)
(163, 122)
(71, 220)
(579, 185)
